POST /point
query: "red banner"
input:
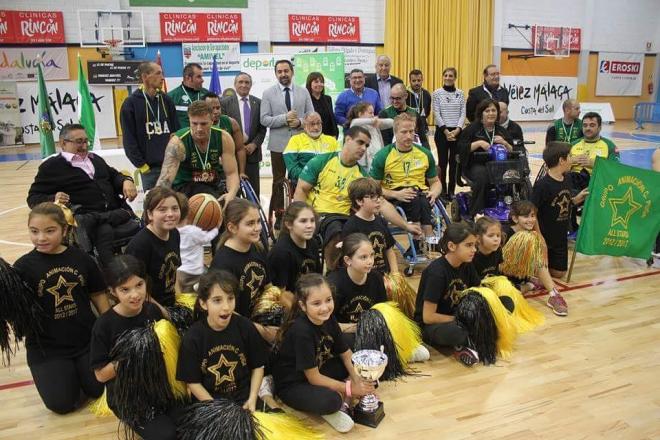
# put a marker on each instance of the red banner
(185, 27)
(324, 29)
(31, 27)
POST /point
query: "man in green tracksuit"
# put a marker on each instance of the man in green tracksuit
(189, 91)
(398, 97)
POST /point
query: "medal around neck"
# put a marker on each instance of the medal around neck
(370, 366)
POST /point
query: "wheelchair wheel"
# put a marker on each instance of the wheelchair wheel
(454, 211)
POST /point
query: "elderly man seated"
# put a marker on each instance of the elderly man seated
(96, 192)
(304, 146)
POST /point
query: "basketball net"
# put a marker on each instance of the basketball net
(114, 47)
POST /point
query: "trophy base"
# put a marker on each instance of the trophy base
(371, 419)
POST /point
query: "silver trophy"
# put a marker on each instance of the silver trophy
(369, 365)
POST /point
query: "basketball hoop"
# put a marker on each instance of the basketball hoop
(114, 47)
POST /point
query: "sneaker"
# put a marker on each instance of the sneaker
(572, 236)
(421, 354)
(558, 305)
(339, 420)
(466, 356)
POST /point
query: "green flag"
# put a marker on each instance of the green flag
(622, 213)
(85, 108)
(45, 117)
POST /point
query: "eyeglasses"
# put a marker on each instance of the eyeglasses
(79, 141)
(397, 98)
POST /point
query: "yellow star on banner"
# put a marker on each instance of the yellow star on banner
(55, 291)
(624, 203)
(223, 370)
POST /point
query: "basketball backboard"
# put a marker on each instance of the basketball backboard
(551, 41)
(106, 28)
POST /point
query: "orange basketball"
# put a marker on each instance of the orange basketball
(204, 211)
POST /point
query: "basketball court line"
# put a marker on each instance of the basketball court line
(13, 385)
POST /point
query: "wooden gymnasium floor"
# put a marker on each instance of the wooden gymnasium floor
(586, 376)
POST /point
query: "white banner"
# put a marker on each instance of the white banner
(537, 98)
(619, 74)
(357, 57)
(11, 131)
(20, 64)
(604, 109)
(227, 55)
(292, 50)
(63, 96)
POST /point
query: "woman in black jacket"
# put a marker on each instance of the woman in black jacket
(481, 135)
(322, 103)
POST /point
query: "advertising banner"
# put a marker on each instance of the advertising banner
(11, 131)
(31, 27)
(619, 74)
(322, 29)
(357, 57)
(112, 72)
(537, 98)
(191, 27)
(228, 55)
(20, 63)
(63, 99)
(330, 64)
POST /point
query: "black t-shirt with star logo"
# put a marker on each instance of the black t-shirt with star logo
(287, 261)
(222, 361)
(63, 284)
(487, 265)
(304, 346)
(553, 201)
(249, 268)
(380, 236)
(352, 299)
(162, 258)
(441, 284)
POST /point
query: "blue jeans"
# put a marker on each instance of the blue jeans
(150, 178)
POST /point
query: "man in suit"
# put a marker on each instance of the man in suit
(382, 81)
(283, 107)
(245, 109)
(489, 89)
(83, 180)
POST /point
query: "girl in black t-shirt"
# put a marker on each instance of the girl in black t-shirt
(296, 252)
(221, 355)
(157, 245)
(127, 278)
(312, 370)
(64, 280)
(241, 254)
(489, 253)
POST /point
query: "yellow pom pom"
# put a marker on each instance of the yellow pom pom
(99, 407)
(405, 332)
(523, 255)
(170, 341)
(506, 329)
(186, 300)
(268, 299)
(399, 291)
(525, 317)
(278, 426)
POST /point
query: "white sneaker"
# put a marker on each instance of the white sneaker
(339, 420)
(266, 388)
(421, 354)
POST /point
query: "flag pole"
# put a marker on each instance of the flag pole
(570, 268)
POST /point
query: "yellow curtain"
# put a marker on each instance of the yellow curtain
(431, 35)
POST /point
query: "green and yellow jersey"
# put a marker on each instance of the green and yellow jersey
(200, 167)
(397, 169)
(603, 147)
(302, 148)
(330, 179)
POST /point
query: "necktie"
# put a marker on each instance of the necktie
(247, 116)
(287, 99)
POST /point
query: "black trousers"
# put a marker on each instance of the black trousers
(446, 334)
(279, 174)
(447, 151)
(252, 171)
(162, 427)
(478, 174)
(316, 399)
(60, 382)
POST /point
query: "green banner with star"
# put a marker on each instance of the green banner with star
(622, 213)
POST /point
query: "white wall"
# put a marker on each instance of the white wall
(607, 25)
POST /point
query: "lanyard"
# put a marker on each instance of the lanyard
(205, 161)
(488, 91)
(186, 92)
(567, 133)
(156, 116)
(490, 138)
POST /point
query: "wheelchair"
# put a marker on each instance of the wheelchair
(247, 192)
(441, 220)
(509, 177)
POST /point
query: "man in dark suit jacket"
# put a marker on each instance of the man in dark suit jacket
(382, 81)
(86, 182)
(489, 89)
(253, 131)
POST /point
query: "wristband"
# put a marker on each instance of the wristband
(348, 388)
(144, 168)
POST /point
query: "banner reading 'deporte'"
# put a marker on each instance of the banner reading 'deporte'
(619, 74)
(537, 98)
(323, 29)
(31, 27)
(192, 27)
